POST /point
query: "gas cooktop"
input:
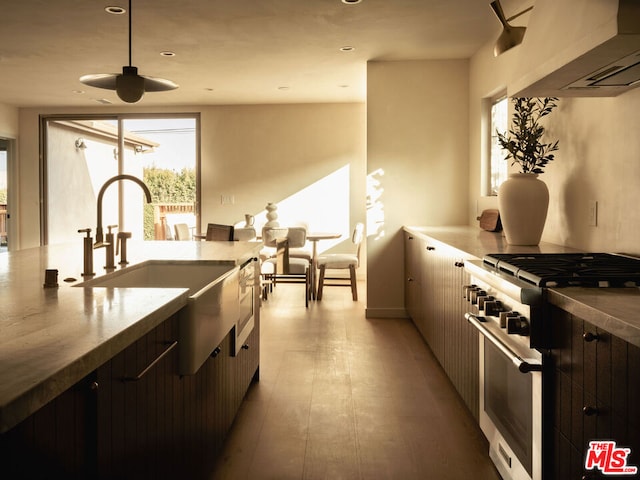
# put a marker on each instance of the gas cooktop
(568, 269)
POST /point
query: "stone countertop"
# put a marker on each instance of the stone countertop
(50, 338)
(478, 243)
(615, 310)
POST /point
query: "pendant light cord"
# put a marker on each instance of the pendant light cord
(130, 63)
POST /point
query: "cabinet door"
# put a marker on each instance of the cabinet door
(594, 394)
(139, 409)
(412, 274)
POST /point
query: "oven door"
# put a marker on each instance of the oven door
(511, 404)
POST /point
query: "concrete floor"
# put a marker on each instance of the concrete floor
(345, 397)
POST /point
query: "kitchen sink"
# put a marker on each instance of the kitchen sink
(212, 308)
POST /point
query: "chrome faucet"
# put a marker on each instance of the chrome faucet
(99, 232)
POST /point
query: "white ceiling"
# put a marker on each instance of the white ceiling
(229, 52)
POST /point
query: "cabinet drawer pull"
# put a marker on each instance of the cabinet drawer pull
(459, 264)
(245, 346)
(590, 337)
(589, 411)
(152, 364)
(216, 352)
(431, 249)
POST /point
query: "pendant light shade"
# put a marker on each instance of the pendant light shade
(510, 36)
(129, 86)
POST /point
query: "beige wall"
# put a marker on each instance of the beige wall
(599, 159)
(8, 121)
(417, 163)
(257, 154)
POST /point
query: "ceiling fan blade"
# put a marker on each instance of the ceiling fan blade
(100, 80)
(154, 84)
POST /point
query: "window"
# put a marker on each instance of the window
(80, 153)
(499, 123)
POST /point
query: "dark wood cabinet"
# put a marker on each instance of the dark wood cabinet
(135, 417)
(434, 277)
(595, 394)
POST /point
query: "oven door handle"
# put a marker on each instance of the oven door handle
(525, 366)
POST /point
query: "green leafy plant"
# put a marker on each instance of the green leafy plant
(523, 141)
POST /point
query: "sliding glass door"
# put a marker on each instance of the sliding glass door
(81, 153)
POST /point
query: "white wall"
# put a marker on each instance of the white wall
(599, 159)
(417, 164)
(8, 121)
(257, 154)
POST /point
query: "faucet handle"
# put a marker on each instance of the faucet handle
(109, 227)
(85, 230)
(121, 245)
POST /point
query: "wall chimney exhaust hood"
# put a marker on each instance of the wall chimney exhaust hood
(579, 48)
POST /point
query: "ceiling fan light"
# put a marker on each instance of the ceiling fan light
(130, 85)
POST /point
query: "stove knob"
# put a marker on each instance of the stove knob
(475, 294)
(504, 315)
(482, 299)
(492, 308)
(467, 290)
(517, 326)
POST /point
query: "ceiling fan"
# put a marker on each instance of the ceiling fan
(129, 86)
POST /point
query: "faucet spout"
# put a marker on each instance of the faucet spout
(99, 231)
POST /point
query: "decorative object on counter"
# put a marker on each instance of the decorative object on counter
(248, 220)
(272, 215)
(523, 200)
(490, 220)
(50, 278)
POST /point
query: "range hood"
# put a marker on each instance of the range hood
(579, 48)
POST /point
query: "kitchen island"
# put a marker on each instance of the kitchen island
(58, 340)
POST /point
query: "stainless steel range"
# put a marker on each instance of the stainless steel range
(507, 305)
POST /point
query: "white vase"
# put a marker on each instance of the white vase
(272, 215)
(523, 201)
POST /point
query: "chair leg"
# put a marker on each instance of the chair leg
(307, 288)
(354, 287)
(320, 282)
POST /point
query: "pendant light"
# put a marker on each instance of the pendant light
(510, 36)
(129, 86)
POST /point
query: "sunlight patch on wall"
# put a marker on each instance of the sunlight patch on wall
(322, 206)
(375, 205)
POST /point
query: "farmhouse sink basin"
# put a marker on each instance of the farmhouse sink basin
(212, 308)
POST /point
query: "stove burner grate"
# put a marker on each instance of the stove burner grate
(568, 269)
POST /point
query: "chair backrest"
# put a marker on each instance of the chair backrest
(297, 236)
(219, 232)
(182, 231)
(244, 234)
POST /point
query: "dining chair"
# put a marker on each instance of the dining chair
(219, 232)
(182, 231)
(244, 234)
(341, 261)
(283, 268)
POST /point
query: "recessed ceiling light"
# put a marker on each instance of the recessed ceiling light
(351, 2)
(343, 86)
(347, 48)
(78, 92)
(167, 53)
(103, 101)
(209, 89)
(283, 88)
(115, 10)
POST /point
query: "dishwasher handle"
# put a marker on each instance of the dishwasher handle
(524, 366)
